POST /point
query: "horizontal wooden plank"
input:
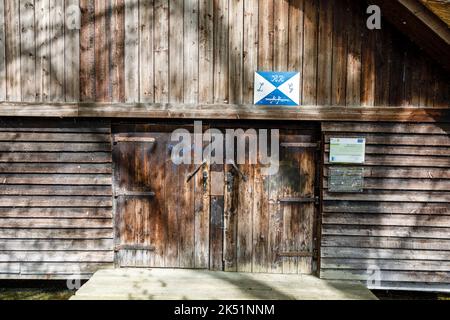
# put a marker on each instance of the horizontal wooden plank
(386, 219)
(404, 184)
(53, 147)
(59, 157)
(377, 195)
(363, 264)
(54, 137)
(371, 253)
(387, 231)
(12, 268)
(56, 213)
(403, 161)
(67, 168)
(401, 172)
(404, 150)
(56, 234)
(386, 207)
(408, 276)
(62, 268)
(56, 256)
(72, 125)
(60, 201)
(401, 128)
(54, 190)
(411, 286)
(56, 179)
(55, 245)
(397, 139)
(386, 242)
(58, 223)
(225, 111)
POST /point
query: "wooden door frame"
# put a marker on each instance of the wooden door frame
(216, 201)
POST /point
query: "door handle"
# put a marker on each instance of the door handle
(235, 167)
(193, 173)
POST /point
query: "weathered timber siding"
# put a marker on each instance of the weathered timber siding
(206, 52)
(401, 222)
(55, 198)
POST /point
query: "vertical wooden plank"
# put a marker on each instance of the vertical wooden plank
(202, 187)
(291, 185)
(261, 189)
(87, 56)
(101, 48)
(190, 79)
(2, 52)
(230, 219)
(176, 40)
(275, 234)
(158, 221)
(244, 237)
(368, 68)
(339, 54)
(186, 211)
(309, 96)
(161, 50)
(28, 50)
(295, 58)
(117, 39)
(206, 51)
(12, 42)
(281, 35)
(72, 56)
(57, 51)
(236, 27)
(307, 167)
(146, 51)
(132, 67)
(221, 51)
(216, 233)
(382, 67)
(325, 53)
(397, 74)
(250, 51)
(266, 24)
(171, 202)
(353, 95)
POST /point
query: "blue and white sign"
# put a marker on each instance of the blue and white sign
(277, 88)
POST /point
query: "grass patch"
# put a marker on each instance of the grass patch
(34, 290)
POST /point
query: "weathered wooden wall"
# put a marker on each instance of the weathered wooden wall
(401, 222)
(204, 51)
(55, 198)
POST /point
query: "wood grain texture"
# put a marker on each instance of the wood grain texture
(399, 222)
(60, 212)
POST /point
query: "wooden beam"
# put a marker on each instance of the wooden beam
(223, 111)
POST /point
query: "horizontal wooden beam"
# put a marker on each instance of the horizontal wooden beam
(224, 111)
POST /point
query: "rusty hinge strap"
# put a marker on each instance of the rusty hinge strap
(299, 145)
(134, 194)
(133, 247)
(294, 254)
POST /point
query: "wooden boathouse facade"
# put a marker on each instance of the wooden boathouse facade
(90, 91)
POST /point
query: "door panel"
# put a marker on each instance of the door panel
(161, 218)
(269, 220)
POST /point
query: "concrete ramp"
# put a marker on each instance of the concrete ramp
(177, 284)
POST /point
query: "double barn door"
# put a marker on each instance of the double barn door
(221, 217)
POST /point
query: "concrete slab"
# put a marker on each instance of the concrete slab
(180, 284)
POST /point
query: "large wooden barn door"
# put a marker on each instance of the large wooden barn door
(269, 221)
(161, 216)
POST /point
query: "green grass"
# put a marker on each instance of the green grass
(34, 290)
